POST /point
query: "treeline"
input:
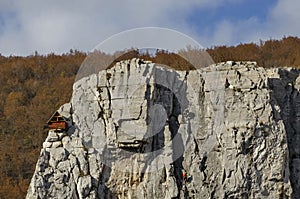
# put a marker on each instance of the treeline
(271, 53)
(33, 87)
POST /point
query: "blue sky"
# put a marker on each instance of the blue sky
(206, 20)
(241, 10)
(58, 26)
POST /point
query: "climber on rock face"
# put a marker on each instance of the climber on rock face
(184, 176)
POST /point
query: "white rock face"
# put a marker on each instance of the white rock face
(233, 128)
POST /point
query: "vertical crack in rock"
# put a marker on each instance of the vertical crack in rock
(203, 166)
(108, 75)
(101, 113)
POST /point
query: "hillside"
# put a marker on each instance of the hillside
(33, 87)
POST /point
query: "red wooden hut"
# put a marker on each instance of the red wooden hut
(57, 121)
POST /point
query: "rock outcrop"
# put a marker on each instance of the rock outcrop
(140, 130)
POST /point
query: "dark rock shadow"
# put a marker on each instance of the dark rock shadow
(103, 191)
(173, 105)
(284, 95)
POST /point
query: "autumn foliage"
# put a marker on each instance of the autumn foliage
(33, 87)
(271, 53)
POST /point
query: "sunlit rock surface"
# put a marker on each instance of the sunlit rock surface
(139, 130)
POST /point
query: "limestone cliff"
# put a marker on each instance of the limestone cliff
(140, 130)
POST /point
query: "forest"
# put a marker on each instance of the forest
(33, 87)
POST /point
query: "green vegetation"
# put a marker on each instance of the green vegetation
(33, 87)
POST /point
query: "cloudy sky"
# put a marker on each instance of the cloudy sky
(57, 26)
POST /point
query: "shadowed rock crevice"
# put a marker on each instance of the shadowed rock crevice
(285, 101)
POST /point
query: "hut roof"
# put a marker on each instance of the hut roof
(57, 117)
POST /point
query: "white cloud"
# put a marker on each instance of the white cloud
(57, 26)
(224, 33)
(282, 20)
(285, 17)
(234, 32)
